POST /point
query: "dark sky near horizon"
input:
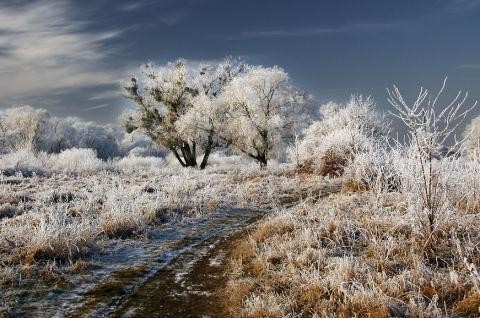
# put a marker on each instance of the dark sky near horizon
(70, 56)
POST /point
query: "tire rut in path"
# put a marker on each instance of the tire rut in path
(190, 286)
(187, 287)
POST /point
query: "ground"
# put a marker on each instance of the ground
(109, 243)
(355, 254)
(83, 239)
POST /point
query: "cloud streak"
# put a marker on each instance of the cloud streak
(468, 67)
(96, 107)
(44, 48)
(361, 27)
(464, 5)
(174, 18)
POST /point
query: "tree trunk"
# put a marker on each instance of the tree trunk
(175, 152)
(263, 161)
(190, 160)
(208, 149)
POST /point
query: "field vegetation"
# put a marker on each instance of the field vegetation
(361, 225)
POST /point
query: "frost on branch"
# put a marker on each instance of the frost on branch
(426, 174)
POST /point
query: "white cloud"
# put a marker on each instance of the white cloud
(464, 5)
(131, 6)
(362, 27)
(109, 94)
(174, 18)
(96, 107)
(44, 48)
(469, 67)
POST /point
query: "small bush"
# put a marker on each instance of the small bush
(24, 161)
(76, 161)
(133, 164)
(49, 235)
(344, 133)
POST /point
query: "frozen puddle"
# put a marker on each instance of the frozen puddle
(150, 277)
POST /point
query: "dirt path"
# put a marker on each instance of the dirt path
(190, 285)
(187, 287)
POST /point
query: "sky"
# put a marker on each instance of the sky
(70, 57)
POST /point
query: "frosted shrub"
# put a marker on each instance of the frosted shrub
(132, 164)
(426, 174)
(76, 161)
(472, 139)
(51, 234)
(344, 132)
(22, 128)
(24, 161)
(374, 169)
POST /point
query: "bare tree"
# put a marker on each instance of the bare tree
(431, 125)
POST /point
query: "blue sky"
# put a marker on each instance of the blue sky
(70, 56)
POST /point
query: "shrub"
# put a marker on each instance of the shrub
(344, 132)
(48, 235)
(132, 164)
(76, 161)
(24, 161)
(425, 172)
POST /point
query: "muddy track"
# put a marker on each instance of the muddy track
(190, 286)
(187, 287)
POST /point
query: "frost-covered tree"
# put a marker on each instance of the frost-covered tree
(22, 127)
(262, 110)
(471, 136)
(34, 130)
(101, 138)
(175, 106)
(206, 119)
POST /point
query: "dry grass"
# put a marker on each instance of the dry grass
(61, 217)
(354, 186)
(470, 306)
(332, 164)
(355, 255)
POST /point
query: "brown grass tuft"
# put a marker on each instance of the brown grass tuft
(354, 186)
(470, 306)
(268, 229)
(348, 255)
(235, 293)
(332, 165)
(305, 168)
